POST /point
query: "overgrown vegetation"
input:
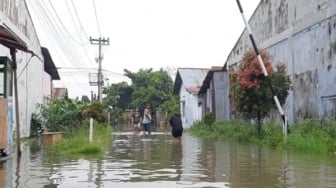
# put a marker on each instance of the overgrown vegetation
(71, 117)
(209, 118)
(66, 115)
(78, 144)
(309, 135)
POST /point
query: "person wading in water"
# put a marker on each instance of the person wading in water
(136, 120)
(177, 128)
(147, 120)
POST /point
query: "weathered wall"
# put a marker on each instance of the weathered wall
(221, 95)
(14, 14)
(301, 34)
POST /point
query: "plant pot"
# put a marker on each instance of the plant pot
(51, 137)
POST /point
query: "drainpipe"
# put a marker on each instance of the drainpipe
(17, 118)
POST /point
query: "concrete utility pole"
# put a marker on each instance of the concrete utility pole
(100, 41)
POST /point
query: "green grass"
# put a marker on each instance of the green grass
(77, 143)
(308, 135)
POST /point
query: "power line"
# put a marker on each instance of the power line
(95, 11)
(79, 21)
(49, 24)
(74, 23)
(61, 22)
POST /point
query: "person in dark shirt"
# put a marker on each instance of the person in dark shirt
(177, 128)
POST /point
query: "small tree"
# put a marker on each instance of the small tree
(250, 94)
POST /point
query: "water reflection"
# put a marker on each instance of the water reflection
(135, 160)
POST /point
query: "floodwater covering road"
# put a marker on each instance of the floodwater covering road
(134, 160)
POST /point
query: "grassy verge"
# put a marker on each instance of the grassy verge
(309, 135)
(77, 143)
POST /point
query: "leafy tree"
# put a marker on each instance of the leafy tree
(118, 95)
(150, 86)
(250, 93)
(170, 106)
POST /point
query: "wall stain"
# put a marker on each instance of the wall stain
(305, 95)
(281, 17)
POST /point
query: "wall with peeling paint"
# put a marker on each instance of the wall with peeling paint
(15, 15)
(301, 34)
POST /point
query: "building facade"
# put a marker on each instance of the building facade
(19, 43)
(302, 35)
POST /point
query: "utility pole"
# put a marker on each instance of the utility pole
(100, 41)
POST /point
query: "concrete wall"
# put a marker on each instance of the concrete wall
(14, 14)
(301, 34)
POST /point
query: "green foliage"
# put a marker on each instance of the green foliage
(309, 136)
(77, 143)
(34, 126)
(229, 130)
(148, 86)
(59, 115)
(250, 94)
(281, 82)
(306, 136)
(201, 130)
(118, 95)
(272, 135)
(209, 118)
(97, 111)
(329, 125)
(170, 106)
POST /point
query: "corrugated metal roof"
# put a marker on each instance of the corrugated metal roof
(208, 78)
(192, 79)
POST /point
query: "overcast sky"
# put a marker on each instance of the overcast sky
(156, 34)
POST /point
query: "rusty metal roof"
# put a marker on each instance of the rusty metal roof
(9, 39)
(192, 79)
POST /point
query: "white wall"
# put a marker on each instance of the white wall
(14, 14)
(192, 112)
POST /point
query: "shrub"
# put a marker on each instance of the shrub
(209, 118)
(272, 135)
(59, 115)
(97, 111)
(309, 136)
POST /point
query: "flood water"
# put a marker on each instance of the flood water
(134, 160)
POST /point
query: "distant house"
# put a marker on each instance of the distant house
(214, 93)
(188, 82)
